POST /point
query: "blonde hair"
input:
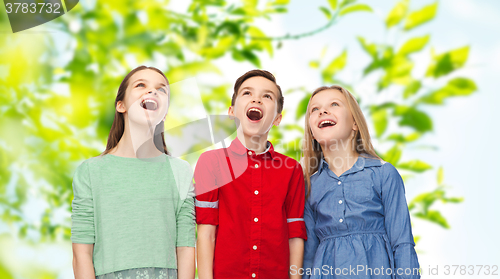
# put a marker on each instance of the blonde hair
(311, 149)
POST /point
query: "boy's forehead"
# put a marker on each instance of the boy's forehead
(259, 83)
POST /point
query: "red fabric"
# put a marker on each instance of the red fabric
(230, 176)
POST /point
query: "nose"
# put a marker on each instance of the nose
(256, 101)
(324, 112)
(152, 92)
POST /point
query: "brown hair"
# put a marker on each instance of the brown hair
(311, 148)
(118, 126)
(258, 73)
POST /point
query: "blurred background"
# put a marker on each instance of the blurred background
(424, 72)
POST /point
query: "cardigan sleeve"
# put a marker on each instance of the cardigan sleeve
(397, 224)
(185, 219)
(82, 216)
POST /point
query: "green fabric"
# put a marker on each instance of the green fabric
(135, 211)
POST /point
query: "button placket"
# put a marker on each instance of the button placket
(256, 211)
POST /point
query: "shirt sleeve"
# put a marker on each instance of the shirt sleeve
(312, 242)
(294, 204)
(207, 193)
(82, 215)
(186, 217)
(398, 224)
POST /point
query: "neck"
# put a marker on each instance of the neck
(136, 142)
(257, 143)
(339, 158)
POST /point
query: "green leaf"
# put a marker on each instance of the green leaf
(380, 121)
(455, 87)
(356, 8)
(414, 118)
(404, 139)
(327, 12)
(397, 13)
(370, 48)
(415, 165)
(421, 16)
(302, 107)
(256, 33)
(393, 155)
(281, 2)
(447, 62)
(435, 217)
(414, 45)
(346, 2)
(245, 54)
(333, 4)
(440, 176)
(334, 67)
(412, 88)
(314, 64)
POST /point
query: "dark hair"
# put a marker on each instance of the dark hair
(118, 126)
(258, 73)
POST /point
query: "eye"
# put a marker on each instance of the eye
(139, 85)
(163, 90)
(335, 104)
(245, 92)
(268, 96)
(314, 109)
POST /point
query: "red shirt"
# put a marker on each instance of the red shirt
(257, 204)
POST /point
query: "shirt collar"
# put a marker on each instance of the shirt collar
(238, 148)
(364, 160)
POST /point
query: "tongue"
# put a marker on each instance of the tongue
(254, 115)
(149, 106)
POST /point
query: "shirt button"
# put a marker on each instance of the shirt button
(255, 247)
(256, 192)
(249, 152)
(253, 275)
(340, 201)
(341, 220)
(256, 220)
(340, 182)
(256, 166)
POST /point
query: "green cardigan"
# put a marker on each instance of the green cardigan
(134, 211)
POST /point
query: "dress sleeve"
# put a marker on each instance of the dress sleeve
(207, 193)
(294, 204)
(82, 215)
(312, 242)
(398, 224)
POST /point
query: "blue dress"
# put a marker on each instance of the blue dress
(358, 224)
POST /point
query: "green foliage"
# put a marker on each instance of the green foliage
(47, 131)
(397, 13)
(421, 16)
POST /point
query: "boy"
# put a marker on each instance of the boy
(250, 199)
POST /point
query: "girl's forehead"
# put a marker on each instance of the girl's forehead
(328, 94)
(149, 75)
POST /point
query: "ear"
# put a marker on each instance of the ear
(120, 107)
(354, 126)
(277, 120)
(230, 112)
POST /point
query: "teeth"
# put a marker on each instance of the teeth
(149, 101)
(254, 109)
(325, 122)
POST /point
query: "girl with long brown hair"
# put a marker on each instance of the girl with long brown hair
(356, 213)
(133, 206)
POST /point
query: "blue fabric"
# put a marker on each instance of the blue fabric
(361, 227)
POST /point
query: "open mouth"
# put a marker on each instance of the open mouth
(326, 123)
(149, 104)
(254, 114)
